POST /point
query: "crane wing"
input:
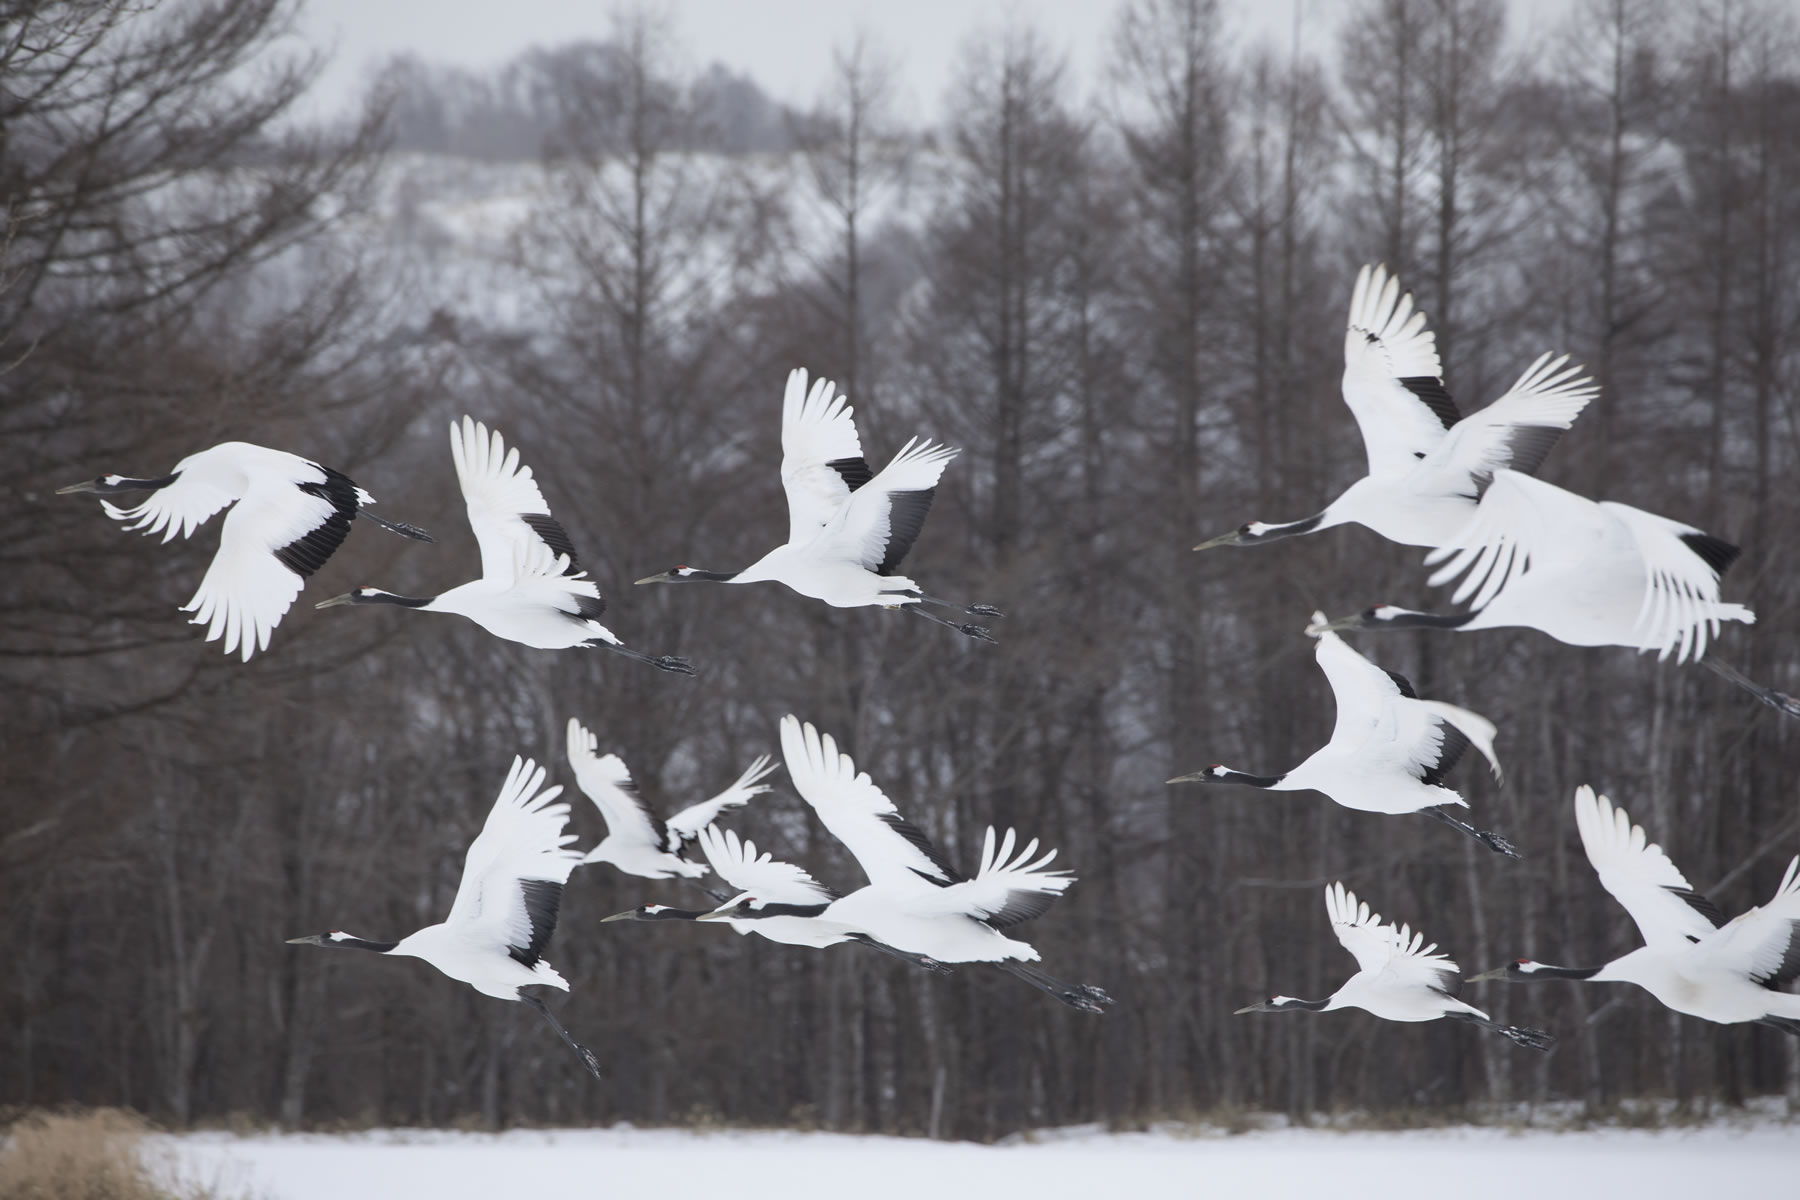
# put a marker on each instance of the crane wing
(821, 456)
(1518, 430)
(687, 824)
(1392, 378)
(1764, 943)
(1667, 909)
(507, 512)
(1520, 520)
(1008, 890)
(180, 508)
(271, 541)
(1397, 954)
(1363, 691)
(768, 879)
(856, 812)
(1682, 566)
(606, 781)
(516, 867)
(882, 519)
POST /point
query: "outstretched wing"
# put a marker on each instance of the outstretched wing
(1516, 431)
(1682, 566)
(507, 512)
(821, 456)
(856, 812)
(882, 519)
(1764, 943)
(606, 781)
(1398, 954)
(1667, 909)
(516, 867)
(1392, 378)
(687, 824)
(766, 878)
(1520, 521)
(1362, 690)
(1009, 889)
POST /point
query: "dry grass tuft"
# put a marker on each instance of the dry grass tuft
(93, 1155)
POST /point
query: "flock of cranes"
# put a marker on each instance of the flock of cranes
(1527, 554)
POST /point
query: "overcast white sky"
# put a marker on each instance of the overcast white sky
(785, 45)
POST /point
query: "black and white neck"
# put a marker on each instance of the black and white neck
(338, 937)
(1287, 1004)
(112, 485)
(691, 575)
(1389, 616)
(369, 595)
(1219, 774)
(1526, 969)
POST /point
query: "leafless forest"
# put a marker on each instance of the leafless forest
(1128, 311)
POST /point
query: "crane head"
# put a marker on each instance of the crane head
(651, 912)
(112, 485)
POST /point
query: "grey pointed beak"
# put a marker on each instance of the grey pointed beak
(715, 915)
(313, 940)
(1496, 973)
(335, 601)
(1248, 1009)
(1196, 777)
(1224, 539)
(629, 914)
(662, 578)
(1319, 627)
(86, 485)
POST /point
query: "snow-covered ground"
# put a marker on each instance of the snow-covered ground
(1468, 1164)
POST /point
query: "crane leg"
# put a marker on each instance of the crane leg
(399, 527)
(917, 960)
(587, 1056)
(1492, 841)
(1518, 1035)
(975, 610)
(975, 631)
(1781, 702)
(664, 662)
(1081, 996)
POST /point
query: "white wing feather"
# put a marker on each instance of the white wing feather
(180, 508)
(1520, 521)
(606, 781)
(766, 878)
(1382, 949)
(1008, 887)
(247, 590)
(499, 492)
(816, 429)
(1755, 944)
(1637, 873)
(1385, 341)
(855, 810)
(688, 823)
(1549, 395)
(1681, 596)
(861, 530)
(522, 839)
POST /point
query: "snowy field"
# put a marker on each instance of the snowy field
(1469, 1164)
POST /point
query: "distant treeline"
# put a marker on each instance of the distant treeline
(1130, 317)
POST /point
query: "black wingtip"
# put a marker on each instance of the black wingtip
(1716, 553)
